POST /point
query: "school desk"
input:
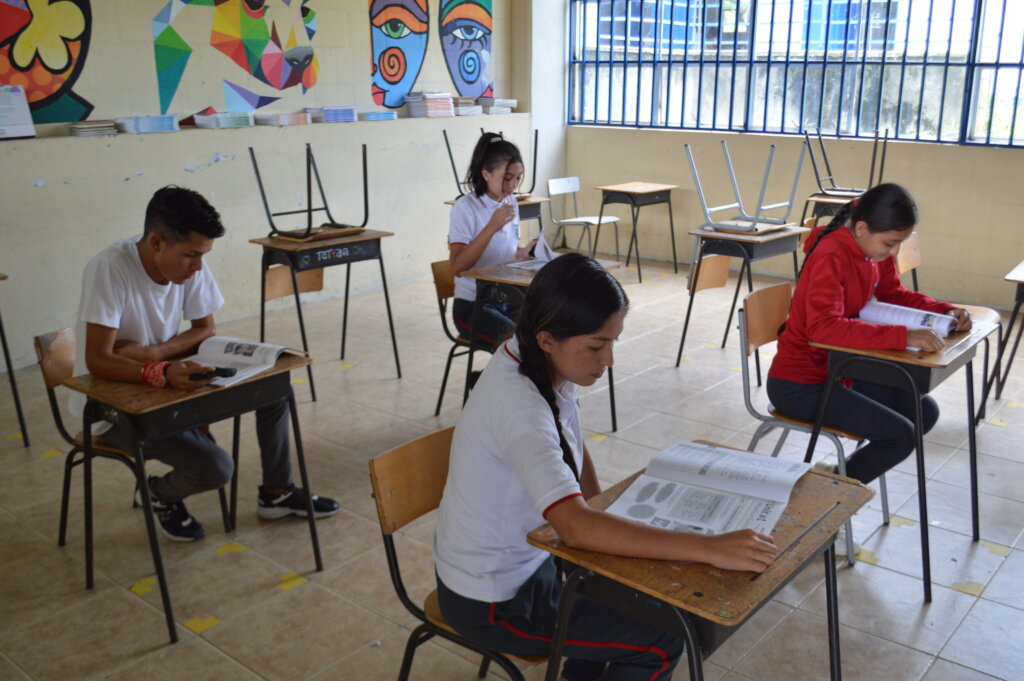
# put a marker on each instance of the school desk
(10, 377)
(636, 195)
(505, 283)
(301, 256)
(750, 248)
(710, 604)
(159, 412)
(918, 373)
(1016, 275)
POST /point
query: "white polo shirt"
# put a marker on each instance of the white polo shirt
(470, 214)
(506, 471)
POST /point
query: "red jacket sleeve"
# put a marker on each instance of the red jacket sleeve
(891, 290)
(829, 317)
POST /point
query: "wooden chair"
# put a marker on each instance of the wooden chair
(908, 259)
(444, 286)
(56, 354)
(277, 283)
(761, 319)
(408, 482)
(571, 185)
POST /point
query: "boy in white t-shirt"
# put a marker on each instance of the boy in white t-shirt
(135, 295)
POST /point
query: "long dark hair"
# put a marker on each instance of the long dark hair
(882, 208)
(570, 296)
(491, 151)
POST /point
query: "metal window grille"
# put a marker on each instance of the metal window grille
(926, 70)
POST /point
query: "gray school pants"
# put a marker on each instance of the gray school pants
(200, 464)
(602, 643)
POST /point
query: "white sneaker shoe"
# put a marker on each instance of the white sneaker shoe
(841, 543)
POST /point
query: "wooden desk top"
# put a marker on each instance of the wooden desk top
(521, 199)
(752, 237)
(517, 276)
(726, 596)
(1016, 274)
(139, 398)
(287, 245)
(829, 199)
(957, 343)
(638, 187)
(2, 276)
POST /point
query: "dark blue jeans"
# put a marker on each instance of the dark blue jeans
(881, 414)
(495, 322)
(602, 643)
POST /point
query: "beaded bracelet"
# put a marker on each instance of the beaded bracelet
(155, 374)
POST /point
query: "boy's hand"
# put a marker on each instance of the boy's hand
(178, 375)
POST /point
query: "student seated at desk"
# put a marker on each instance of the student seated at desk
(518, 459)
(135, 295)
(848, 262)
(483, 231)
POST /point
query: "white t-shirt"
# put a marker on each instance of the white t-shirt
(470, 214)
(117, 293)
(506, 471)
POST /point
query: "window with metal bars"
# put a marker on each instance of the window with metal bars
(926, 70)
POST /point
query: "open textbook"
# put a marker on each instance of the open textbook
(542, 254)
(246, 357)
(710, 490)
(887, 313)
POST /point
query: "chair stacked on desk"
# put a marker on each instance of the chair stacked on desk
(571, 185)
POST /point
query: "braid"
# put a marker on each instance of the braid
(838, 220)
(534, 366)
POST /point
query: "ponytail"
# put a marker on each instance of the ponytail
(883, 208)
(491, 151)
(570, 296)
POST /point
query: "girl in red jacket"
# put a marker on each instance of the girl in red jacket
(850, 261)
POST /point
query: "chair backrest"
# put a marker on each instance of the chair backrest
(408, 480)
(909, 257)
(56, 354)
(278, 281)
(444, 280)
(764, 313)
(714, 273)
(563, 185)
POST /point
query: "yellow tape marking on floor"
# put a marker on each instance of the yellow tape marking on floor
(900, 521)
(143, 586)
(198, 625)
(230, 547)
(866, 556)
(13, 436)
(736, 369)
(346, 365)
(711, 346)
(685, 358)
(997, 422)
(597, 437)
(298, 381)
(1015, 404)
(972, 588)
(50, 453)
(997, 549)
(290, 580)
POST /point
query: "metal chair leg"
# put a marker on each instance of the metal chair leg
(444, 380)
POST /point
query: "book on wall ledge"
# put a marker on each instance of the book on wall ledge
(246, 357)
(692, 487)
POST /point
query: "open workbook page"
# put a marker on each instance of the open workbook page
(710, 490)
(246, 357)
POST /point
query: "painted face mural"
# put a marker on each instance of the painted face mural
(465, 31)
(43, 46)
(398, 42)
(269, 39)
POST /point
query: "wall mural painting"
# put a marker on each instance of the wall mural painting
(398, 43)
(466, 27)
(43, 45)
(269, 39)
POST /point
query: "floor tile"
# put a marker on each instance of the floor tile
(989, 641)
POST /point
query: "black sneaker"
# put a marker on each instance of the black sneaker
(175, 521)
(293, 502)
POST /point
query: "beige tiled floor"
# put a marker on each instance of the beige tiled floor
(263, 612)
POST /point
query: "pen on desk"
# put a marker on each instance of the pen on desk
(801, 536)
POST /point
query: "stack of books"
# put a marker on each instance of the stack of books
(339, 114)
(282, 119)
(430, 104)
(378, 116)
(497, 109)
(499, 102)
(463, 101)
(238, 119)
(469, 109)
(142, 124)
(90, 128)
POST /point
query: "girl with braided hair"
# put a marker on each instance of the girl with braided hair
(518, 459)
(848, 262)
